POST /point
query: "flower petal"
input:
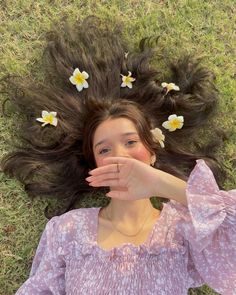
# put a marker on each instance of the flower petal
(76, 72)
(85, 84)
(171, 117)
(158, 136)
(180, 125)
(164, 84)
(45, 113)
(175, 87)
(53, 113)
(79, 87)
(85, 75)
(162, 144)
(129, 85)
(166, 125)
(40, 120)
(72, 80)
(181, 118)
(54, 122)
(172, 129)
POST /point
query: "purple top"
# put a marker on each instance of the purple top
(187, 247)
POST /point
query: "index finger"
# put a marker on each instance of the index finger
(104, 169)
(110, 165)
(115, 160)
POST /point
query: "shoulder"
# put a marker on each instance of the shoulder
(175, 211)
(76, 217)
(74, 224)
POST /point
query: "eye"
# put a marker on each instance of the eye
(131, 142)
(104, 151)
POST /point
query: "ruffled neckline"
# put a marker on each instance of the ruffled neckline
(125, 249)
(152, 246)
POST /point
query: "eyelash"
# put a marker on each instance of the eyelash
(131, 141)
(101, 151)
(106, 150)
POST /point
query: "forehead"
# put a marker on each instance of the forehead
(117, 126)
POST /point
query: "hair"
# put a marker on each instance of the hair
(54, 161)
(97, 112)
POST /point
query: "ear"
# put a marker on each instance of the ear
(153, 159)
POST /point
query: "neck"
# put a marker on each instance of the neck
(129, 212)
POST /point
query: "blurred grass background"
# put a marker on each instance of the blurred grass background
(204, 28)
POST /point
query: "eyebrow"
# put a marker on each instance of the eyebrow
(123, 135)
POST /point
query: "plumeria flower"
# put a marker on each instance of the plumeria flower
(174, 122)
(48, 118)
(127, 80)
(126, 55)
(158, 136)
(170, 86)
(79, 79)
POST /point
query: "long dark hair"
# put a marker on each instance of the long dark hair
(54, 161)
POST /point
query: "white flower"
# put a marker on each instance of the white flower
(158, 136)
(174, 122)
(48, 118)
(170, 86)
(79, 79)
(127, 80)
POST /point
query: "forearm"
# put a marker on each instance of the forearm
(168, 186)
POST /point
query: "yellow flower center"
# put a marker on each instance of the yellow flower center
(169, 87)
(49, 119)
(128, 79)
(79, 79)
(175, 123)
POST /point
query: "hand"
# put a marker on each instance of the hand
(128, 179)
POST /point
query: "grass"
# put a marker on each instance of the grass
(204, 28)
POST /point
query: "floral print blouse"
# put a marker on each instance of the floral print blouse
(188, 246)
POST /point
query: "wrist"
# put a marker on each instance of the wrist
(165, 185)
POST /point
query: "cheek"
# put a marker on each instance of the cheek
(98, 162)
(141, 154)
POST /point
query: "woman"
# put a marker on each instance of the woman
(103, 118)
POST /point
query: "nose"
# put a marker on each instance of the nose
(120, 151)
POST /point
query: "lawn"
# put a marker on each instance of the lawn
(203, 28)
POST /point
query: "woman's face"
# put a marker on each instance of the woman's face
(119, 138)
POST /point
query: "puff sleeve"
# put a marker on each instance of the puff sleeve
(208, 226)
(48, 268)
